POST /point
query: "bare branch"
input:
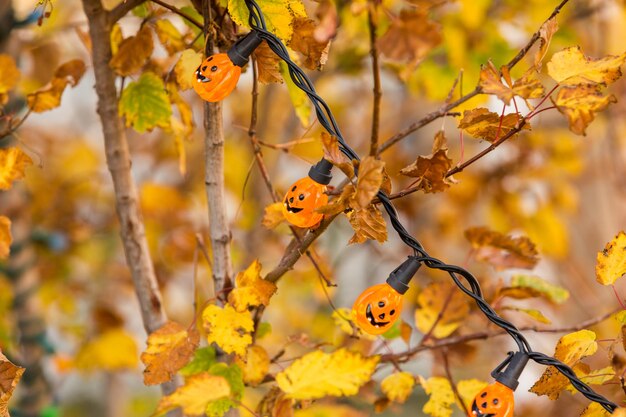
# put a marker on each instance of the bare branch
(219, 228)
(376, 77)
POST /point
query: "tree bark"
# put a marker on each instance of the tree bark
(119, 163)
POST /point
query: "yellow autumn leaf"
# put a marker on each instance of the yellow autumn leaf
(250, 289)
(169, 349)
(171, 39)
(113, 350)
(570, 349)
(468, 388)
(595, 410)
(619, 412)
(579, 104)
(197, 393)
(229, 329)
(398, 386)
(323, 410)
(273, 215)
(319, 374)
(279, 15)
(185, 67)
(483, 124)
(441, 396)
(255, 365)
(571, 67)
(369, 181)
(534, 314)
(436, 297)
(10, 375)
(589, 377)
(133, 52)
(611, 262)
(9, 76)
(5, 237)
(13, 162)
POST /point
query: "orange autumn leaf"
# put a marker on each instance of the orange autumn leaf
(579, 104)
(133, 52)
(10, 375)
(367, 224)
(410, 37)
(5, 237)
(303, 40)
(500, 250)
(547, 30)
(169, 349)
(483, 124)
(431, 169)
(369, 181)
(267, 63)
(13, 162)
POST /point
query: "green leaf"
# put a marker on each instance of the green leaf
(554, 293)
(263, 330)
(393, 332)
(219, 407)
(202, 361)
(279, 14)
(145, 104)
(298, 98)
(142, 11)
(233, 375)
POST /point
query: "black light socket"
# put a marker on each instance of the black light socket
(321, 172)
(401, 276)
(240, 52)
(514, 364)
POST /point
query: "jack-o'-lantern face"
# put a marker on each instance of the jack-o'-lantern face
(300, 202)
(216, 77)
(496, 400)
(377, 308)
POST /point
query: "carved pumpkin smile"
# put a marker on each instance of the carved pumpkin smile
(291, 209)
(372, 320)
(476, 411)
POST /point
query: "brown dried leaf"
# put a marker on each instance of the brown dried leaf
(133, 52)
(72, 71)
(491, 83)
(369, 181)
(483, 124)
(546, 31)
(335, 156)
(10, 375)
(339, 204)
(432, 169)
(579, 104)
(500, 250)
(367, 224)
(267, 63)
(410, 37)
(169, 349)
(303, 40)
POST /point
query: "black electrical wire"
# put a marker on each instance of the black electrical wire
(327, 120)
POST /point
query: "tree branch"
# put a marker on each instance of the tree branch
(119, 163)
(219, 228)
(443, 110)
(179, 12)
(121, 9)
(406, 355)
(376, 77)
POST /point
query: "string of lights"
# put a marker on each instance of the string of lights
(378, 306)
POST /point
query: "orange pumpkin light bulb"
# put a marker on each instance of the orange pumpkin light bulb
(216, 78)
(306, 195)
(496, 400)
(377, 308)
(300, 202)
(218, 75)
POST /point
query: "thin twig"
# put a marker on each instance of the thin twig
(122, 9)
(179, 12)
(377, 90)
(455, 390)
(451, 341)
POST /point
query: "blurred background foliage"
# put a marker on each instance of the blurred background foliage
(567, 193)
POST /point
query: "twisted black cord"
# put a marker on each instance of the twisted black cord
(327, 120)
